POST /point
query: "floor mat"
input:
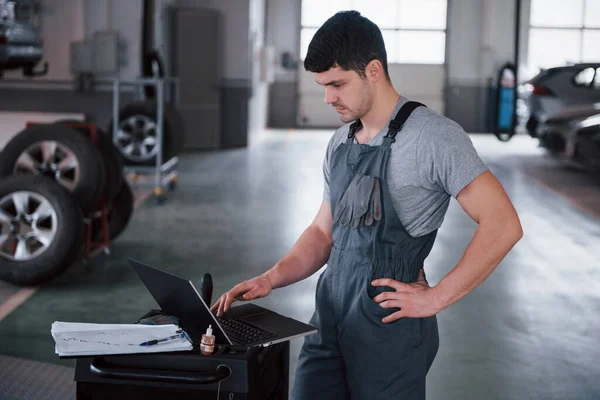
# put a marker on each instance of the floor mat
(33, 380)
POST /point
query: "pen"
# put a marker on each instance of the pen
(156, 341)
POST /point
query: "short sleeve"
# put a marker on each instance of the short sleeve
(333, 144)
(446, 157)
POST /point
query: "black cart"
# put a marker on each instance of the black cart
(257, 373)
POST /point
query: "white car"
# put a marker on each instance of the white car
(554, 89)
(573, 134)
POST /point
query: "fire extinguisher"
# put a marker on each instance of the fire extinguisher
(505, 115)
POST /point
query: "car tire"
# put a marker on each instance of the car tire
(29, 261)
(139, 119)
(113, 163)
(23, 155)
(119, 214)
(531, 126)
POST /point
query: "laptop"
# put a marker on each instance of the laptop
(247, 325)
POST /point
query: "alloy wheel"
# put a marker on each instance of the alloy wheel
(29, 225)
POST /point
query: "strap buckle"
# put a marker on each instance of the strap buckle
(393, 130)
(395, 125)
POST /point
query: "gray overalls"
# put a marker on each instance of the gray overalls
(355, 355)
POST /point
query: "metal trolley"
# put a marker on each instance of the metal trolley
(165, 173)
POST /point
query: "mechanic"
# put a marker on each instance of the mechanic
(390, 173)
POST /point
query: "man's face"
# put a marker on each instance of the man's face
(347, 92)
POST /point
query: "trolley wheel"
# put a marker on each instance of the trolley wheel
(172, 185)
(160, 195)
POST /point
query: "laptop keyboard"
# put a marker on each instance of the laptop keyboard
(243, 333)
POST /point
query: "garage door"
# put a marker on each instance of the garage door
(415, 38)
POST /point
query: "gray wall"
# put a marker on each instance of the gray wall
(237, 26)
(236, 85)
(96, 106)
(283, 33)
(64, 21)
(162, 32)
(480, 39)
(124, 17)
(61, 21)
(258, 101)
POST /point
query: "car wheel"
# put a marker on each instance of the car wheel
(531, 126)
(113, 163)
(137, 133)
(61, 153)
(42, 229)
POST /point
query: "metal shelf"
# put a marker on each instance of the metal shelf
(165, 173)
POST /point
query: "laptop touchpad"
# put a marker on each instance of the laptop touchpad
(265, 320)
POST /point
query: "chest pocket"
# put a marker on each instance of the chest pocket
(359, 209)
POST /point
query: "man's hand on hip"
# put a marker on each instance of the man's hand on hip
(415, 300)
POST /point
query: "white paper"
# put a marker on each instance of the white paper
(75, 338)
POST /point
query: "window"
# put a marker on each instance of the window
(585, 77)
(414, 32)
(591, 46)
(589, 78)
(563, 32)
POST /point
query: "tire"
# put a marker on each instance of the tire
(177, 129)
(86, 180)
(114, 169)
(142, 115)
(63, 218)
(119, 214)
(531, 126)
(113, 163)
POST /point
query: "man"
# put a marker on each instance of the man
(389, 177)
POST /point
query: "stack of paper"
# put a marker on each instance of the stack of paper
(79, 339)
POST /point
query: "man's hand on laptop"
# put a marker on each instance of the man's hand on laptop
(254, 288)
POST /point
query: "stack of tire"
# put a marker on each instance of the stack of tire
(53, 180)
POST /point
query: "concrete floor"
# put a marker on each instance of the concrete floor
(529, 332)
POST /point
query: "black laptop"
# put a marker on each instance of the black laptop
(245, 325)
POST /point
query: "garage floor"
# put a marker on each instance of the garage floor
(529, 332)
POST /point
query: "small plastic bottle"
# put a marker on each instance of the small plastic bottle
(207, 343)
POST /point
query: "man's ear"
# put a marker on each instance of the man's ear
(374, 70)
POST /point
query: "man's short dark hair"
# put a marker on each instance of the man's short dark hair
(347, 40)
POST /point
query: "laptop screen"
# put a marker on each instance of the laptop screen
(178, 297)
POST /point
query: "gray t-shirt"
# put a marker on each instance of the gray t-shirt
(432, 160)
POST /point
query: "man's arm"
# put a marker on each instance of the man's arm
(499, 229)
(308, 254)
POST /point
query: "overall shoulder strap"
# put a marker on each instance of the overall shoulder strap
(396, 124)
(356, 125)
